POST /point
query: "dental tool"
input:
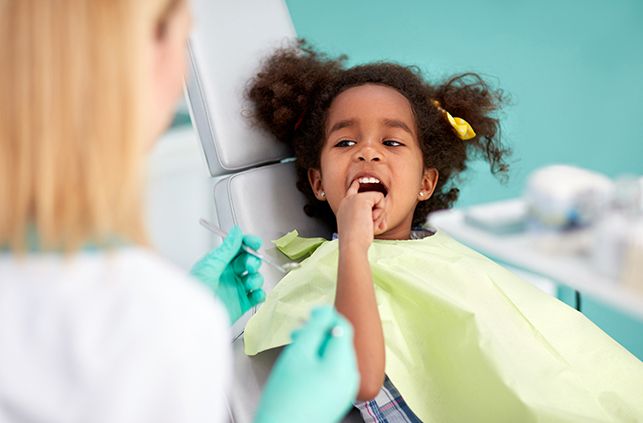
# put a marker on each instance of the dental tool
(284, 268)
(337, 331)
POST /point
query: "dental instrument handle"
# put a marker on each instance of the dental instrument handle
(218, 231)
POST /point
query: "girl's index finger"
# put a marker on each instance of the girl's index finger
(353, 188)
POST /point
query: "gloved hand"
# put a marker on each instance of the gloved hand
(315, 379)
(232, 274)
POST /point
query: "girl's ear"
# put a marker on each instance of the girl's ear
(429, 181)
(315, 179)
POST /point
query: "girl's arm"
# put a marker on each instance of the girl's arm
(355, 299)
(355, 295)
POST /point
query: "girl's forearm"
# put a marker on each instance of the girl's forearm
(355, 299)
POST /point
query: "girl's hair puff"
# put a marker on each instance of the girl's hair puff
(292, 93)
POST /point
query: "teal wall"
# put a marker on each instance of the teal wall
(623, 327)
(574, 70)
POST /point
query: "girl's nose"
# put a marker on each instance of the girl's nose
(368, 154)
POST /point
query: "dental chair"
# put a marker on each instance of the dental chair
(253, 174)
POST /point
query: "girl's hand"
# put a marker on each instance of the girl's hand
(359, 216)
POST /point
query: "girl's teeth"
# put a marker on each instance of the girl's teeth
(368, 180)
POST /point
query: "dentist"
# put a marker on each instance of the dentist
(93, 326)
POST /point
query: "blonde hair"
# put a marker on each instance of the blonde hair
(72, 142)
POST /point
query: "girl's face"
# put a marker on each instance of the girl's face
(371, 136)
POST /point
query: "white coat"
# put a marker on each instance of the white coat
(102, 336)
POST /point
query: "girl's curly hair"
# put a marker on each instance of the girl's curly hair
(293, 91)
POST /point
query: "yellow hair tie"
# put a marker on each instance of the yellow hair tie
(461, 127)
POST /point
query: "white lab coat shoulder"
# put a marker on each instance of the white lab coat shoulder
(116, 336)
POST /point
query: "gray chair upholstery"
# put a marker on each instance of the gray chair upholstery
(229, 40)
(253, 186)
(225, 50)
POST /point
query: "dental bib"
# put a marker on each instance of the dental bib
(466, 340)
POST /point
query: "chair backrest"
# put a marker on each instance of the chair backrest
(254, 188)
(229, 40)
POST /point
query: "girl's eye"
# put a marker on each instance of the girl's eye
(392, 143)
(345, 143)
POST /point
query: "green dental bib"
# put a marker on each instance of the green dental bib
(466, 340)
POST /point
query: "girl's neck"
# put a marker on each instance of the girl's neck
(396, 234)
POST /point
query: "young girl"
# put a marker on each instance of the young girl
(377, 149)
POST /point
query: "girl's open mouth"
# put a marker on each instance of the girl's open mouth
(369, 183)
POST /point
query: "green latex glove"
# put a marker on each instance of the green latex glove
(315, 379)
(232, 274)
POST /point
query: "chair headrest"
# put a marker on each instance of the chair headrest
(229, 40)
